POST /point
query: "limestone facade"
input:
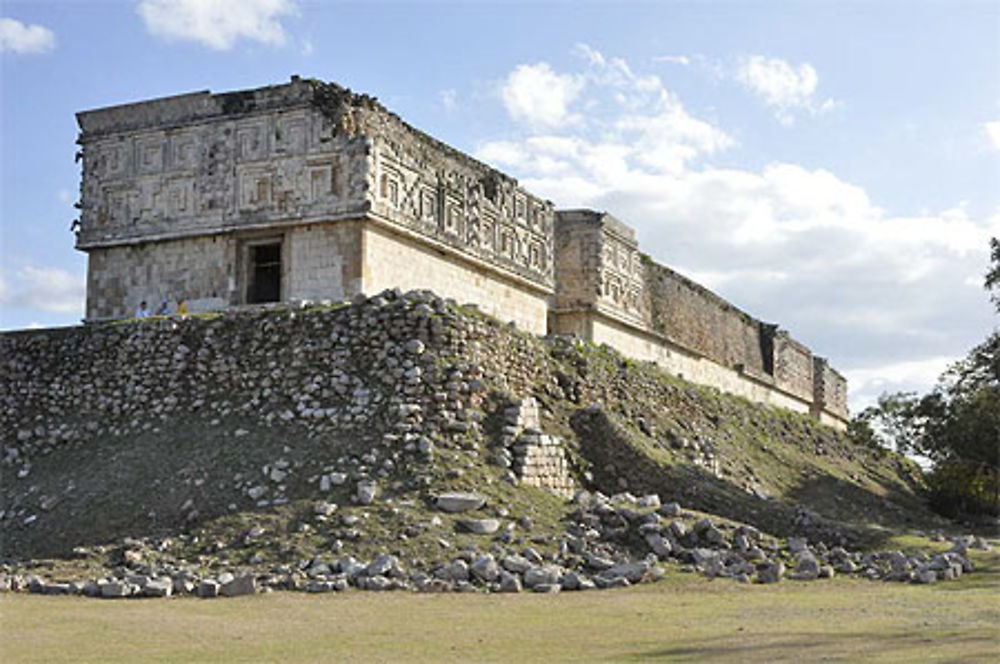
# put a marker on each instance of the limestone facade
(608, 292)
(280, 194)
(308, 192)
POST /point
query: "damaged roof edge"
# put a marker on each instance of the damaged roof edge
(331, 99)
(112, 118)
(194, 106)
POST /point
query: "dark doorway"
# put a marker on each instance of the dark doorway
(265, 273)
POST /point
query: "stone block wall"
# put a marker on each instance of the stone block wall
(321, 261)
(325, 261)
(434, 191)
(793, 366)
(205, 163)
(598, 267)
(392, 260)
(265, 164)
(694, 317)
(177, 191)
(119, 278)
(689, 365)
(607, 292)
(540, 461)
(536, 458)
(830, 396)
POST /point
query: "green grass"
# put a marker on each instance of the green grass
(683, 618)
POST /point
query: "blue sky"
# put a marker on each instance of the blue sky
(834, 167)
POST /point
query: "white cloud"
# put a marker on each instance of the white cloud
(992, 130)
(784, 87)
(17, 37)
(44, 289)
(801, 246)
(218, 24)
(868, 383)
(632, 120)
(539, 96)
(449, 99)
(674, 59)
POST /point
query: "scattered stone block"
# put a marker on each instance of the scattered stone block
(459, 501)
(245, 584)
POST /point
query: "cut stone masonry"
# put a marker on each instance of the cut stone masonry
(536, 458)
(309, 192)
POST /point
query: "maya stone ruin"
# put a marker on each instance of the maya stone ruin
(306, 191)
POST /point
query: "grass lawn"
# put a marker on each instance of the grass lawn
(683, 618)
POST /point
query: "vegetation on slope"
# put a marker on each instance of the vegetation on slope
(244, 438)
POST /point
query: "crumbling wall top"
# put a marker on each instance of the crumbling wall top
(332, 100)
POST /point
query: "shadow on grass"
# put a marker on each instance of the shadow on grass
(806, 646)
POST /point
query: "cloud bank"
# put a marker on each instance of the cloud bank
(875, 291)
(43, 288)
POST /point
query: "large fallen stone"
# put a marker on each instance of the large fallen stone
(317, 586)
(771, 572)
(208, 588)
(459, 501)
(457, 570)
(240, 585)
(115, 589)
(54, 588)
(611, 582)
(634, 572)
(546, 575)
(807, 567)
(660, 545)
(366, 491)
(480, 526)
(515, 563)
(702, 558)
(598, 562)
(160, 587)
(509, 583)
(382, 565)
(485, 568)
(376, 583)
(351, 567)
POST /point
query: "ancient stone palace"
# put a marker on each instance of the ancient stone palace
(308, 192)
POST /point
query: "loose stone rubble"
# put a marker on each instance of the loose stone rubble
(390, 418)
(597, 551)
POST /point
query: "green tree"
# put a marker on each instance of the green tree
(956, 425)
(960, 432)
(993, 276)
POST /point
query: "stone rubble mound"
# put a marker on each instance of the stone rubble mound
(393, 443)
(593, 553)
